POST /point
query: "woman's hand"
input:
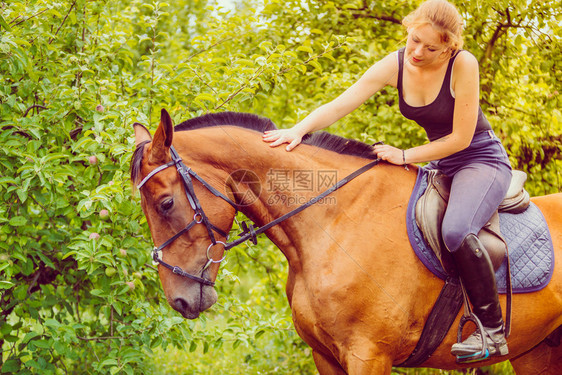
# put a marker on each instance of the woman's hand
(390, 154)
(280, 136)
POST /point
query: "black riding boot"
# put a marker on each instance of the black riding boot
(478, 278)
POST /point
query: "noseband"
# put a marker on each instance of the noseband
(248, 230)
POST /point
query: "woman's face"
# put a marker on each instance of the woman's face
(424, 46)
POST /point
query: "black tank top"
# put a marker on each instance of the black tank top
(437, 117)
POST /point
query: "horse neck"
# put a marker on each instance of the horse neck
(327, 232)
(287, 181)
(290, 180)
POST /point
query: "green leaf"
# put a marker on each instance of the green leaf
(43, 344)
(11, 366)
(305, 49)
(4, 24)
(98, 293)
(22, 195)
(10, 338)
(18, 221)
(46, 260)
(60, 347)
(236, 343)
(156, 341)
(316, 65)
(30, 336)
(7, 180)
(148, 6)
(259, 334)
(52, 323)
(6, 284)
(109, 362)
(6, 328)
(192, 346)
(206, 97)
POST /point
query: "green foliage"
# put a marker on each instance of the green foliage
(77, 291)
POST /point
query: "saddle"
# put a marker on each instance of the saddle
(431, 207)
(429, 211)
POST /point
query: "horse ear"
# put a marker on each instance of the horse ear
(162, 139)
(141, 133)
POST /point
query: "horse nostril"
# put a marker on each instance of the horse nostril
(180, 305)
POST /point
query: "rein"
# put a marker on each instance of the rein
(248, 231)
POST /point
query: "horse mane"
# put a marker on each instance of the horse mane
(261, 124)
(243, 120)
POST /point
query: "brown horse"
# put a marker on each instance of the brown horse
(358, 293)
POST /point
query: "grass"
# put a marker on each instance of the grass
(268, 358)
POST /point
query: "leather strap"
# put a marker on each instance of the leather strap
(254, 232)
(509, 296)
(439, 321)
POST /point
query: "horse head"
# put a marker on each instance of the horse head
(177, 205)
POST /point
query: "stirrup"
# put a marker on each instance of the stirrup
(479, 356)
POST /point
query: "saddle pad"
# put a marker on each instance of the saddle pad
(531, 252)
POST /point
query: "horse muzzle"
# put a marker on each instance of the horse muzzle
(193, 301)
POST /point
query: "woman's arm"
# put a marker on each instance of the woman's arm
(466, 87)
(375, 78)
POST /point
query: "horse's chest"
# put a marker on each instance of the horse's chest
(304, 315)
(316, 313)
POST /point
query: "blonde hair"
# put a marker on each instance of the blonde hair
(443, 17)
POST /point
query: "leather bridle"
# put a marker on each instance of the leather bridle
(248, 230)
(199, 217)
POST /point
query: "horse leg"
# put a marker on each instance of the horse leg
(376, 366)
(543, 359)
(327, 365)
(365, 357)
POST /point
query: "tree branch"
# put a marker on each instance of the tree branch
(365, 12)
(34, 281)
(63, 21)
(32, 107)
(377, 17)
(498, 32)
(501, 30)
(102, 338)
(28, 18)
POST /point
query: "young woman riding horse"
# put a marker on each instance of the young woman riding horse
(438, 87)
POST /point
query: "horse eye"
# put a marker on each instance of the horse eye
(167, 204)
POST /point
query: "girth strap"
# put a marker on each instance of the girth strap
(438, 323)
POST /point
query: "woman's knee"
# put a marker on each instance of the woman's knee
(453, 235)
